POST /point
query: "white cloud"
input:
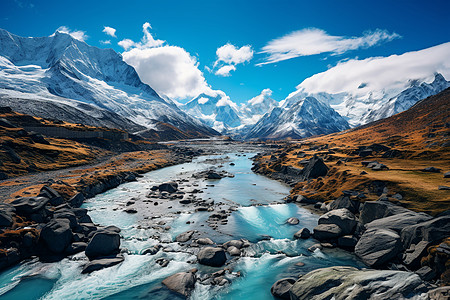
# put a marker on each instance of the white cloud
(380, 73)
(126, 44)
(313, 41)
(169, 70)
(106, 42)
(260, 98)
(109, 31)
(202, 100)
(228, 56)
(76, 34)
(225, 70)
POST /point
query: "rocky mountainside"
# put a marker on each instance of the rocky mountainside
(305, 118)
(365, 104)
(74, 80)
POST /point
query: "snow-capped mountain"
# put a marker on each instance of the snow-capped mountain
(258, 106)
(66, 72)
(408, 97)
(366, 104)
(214, 109)
(304, 118)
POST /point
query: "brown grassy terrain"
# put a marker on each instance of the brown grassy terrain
(417, 138)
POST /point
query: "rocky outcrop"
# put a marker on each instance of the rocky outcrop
(341, 283)
(431, 231)
(372, 210)
(182, 283)
(7, 213)
(98, 264)
(280, 289)
(342, 217)
(103, 243)
(399, 221)
(185, 236)
(213, 257)
(303, 233)
(314, 169)
(378, 246)
(325, 232)
(56, 235)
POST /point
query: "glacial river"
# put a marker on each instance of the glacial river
(258, 214)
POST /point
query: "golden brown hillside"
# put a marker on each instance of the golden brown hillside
(406, 143)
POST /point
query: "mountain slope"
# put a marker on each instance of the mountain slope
(365, 103)
(214, 109)
(305, 118)
(61, 69)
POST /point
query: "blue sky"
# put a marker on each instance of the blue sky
(199, 28)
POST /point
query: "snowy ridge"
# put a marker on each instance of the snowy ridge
(64, 70)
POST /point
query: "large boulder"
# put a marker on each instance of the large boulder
(213, 175)
(170, 187)
(372, 210)
(6, 214)
(345, 202)
(341, 283)
(431, 231)
(280, 289)
(292, 221)
(182, 283)
(56, 235)
(324, 232)
(185, 236)
(77, 200)
(303, 233)
(54, 197)
(341, 217)
(66, 214)
(210, 256)
(103, 243)
(399, 221)
(314, 169)
(25, 206)
(378, 246)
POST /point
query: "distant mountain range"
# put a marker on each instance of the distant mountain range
(63, 78)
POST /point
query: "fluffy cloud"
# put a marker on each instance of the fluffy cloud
(170, 70)
(225, 70)
(106, 42)
(109, 31)
(76, 34)
(313, 41)
(260, 98)
(378, 73)
(228, 56)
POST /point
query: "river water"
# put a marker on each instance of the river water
(258, 214)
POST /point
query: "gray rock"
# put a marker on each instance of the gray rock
(54, 196)
(68, 215)
(341, 217)
(431, 231)
(304, 200)
(185, 236)
(236, 243)
(56, 235)
(103, 243)
(347, 241)
(378, 246)
(76, 248)
(170, 187)
(77, 200)
(152, 250)
(314, 169)
(372, 210)
(25, 206)
(440, 293)
(303, 233)
(204, 241)
(102, 263)
(431, 170)
(323, 232)
(210, 256)
(213, 175)
(447, 174)
(345, 202)
(234, 251)
(413, 255)
(6, 215)
(315, 247)
(426, 273)
(182, 283)
(280, 289)
(293, 221)
(342, 283)
(399, 221)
